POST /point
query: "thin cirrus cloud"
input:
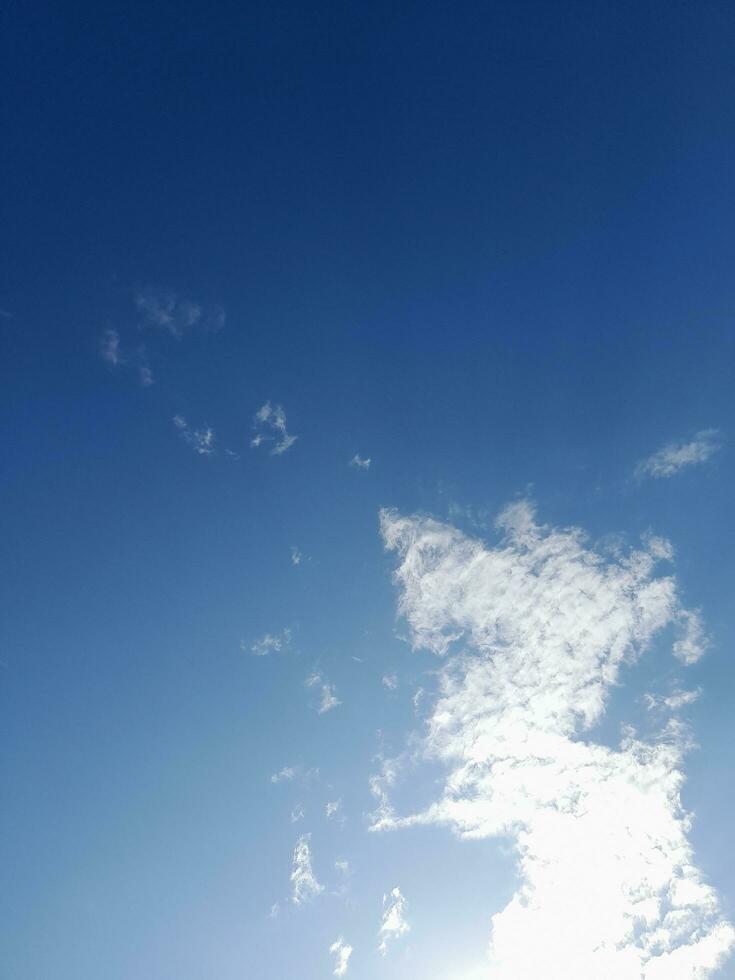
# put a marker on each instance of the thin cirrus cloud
(304, 885)
(328, 693)
(112, 353)
(533, 634)
(270, 430)
(393, 924)
(360, 463)
(268, 643)
(676, 456)
(342, 952)
(177, 315)
(201, 440)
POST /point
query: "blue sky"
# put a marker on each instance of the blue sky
(488, 249)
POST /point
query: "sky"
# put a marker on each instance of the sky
(367, 522)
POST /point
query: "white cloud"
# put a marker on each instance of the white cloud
(297, 813)
(305, 886)
(268, 643)
(674, 701)
(112, 353)
(333, 808)
(166, 310)
(342, 951)
(145, 375)
(535, 633)
(296, 556)
(200, 440)
(676, 455)
(275, 909)
(359, 463)
(394, 923)
(693, 640)
(291, 774)
(110, 348)
(390, 681)
(270, 425)
(328, 691)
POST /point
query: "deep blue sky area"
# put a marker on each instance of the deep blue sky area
(489, 247)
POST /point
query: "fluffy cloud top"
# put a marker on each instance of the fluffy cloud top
(534, 634)
(676, 455)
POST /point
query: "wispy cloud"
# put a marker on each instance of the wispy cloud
(270, 427)
(297, 813)
(328, 692)
(342, 952)
(165, 309)
(112, 353)
(296, 556)
(394, 923)
(200, 440)
(390, 681)
(333, 809)
(110, 348)
(360, 463)
(291, 774)
(677, 455)
(674, 701)
(304, 884)
(268, 643)
(534, 634)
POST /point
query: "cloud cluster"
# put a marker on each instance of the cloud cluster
(534, 633)
(328, 693)
(268, 643)
(164, 309)
(342, 952)
(677, 455)
(394, 923)
(304, 884)
(200, 440)
(270, 426)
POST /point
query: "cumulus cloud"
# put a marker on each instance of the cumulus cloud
(394, 923)
(268, 643)
(177, 315)
(533, 634)
(200, 440)
(270, 426)
(677, 455)
(342, 952)
(359, 463)
(304, 884)
(328, 693)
